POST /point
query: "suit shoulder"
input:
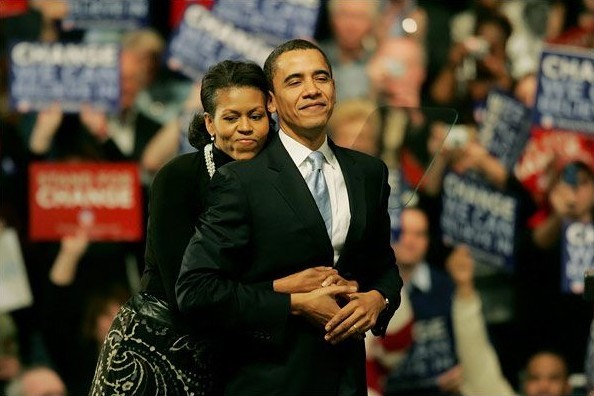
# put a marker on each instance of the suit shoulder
(363, 158)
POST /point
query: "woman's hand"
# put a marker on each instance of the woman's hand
(310, 279)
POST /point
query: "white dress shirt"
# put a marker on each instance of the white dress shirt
(339, 198)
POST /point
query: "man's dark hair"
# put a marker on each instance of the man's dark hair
(499, 20)
(291, 45)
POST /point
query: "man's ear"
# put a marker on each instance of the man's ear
(271, 105)
(208, 121)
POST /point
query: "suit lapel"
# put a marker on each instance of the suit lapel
(355, 184)
(288, 181)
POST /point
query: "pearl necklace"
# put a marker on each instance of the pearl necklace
(209, 159)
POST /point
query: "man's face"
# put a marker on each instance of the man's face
(132, 79)
(397, 72)
(413, 242)
(304, 95)
(546, 376)
(351, 22)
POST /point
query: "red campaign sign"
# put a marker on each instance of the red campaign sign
(104, 199)
(546, 153)
(178, 7)
(578, 37)
(10, 8)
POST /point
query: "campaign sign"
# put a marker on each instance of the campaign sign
(121, 14)
(565, 93)
(71, 74)
(577, 255)
(204, 39)
(13, 8)
(104, 199)
(505, 129)
(400, 196)
(431, 354)
(274, 20)
(481, 217)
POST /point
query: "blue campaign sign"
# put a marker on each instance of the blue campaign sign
(71, 74)
(204, 39)
(577, 255)
(565, 93)
(121, 14)
(274, 20)
(401, 195)
(505, 129)
(481, 217)
(431, 354)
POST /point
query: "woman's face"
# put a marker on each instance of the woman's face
(240, 123)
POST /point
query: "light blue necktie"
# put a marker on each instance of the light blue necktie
(319, 189)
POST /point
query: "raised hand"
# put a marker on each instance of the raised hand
(460, 265)
(95, 121)
(46, 125)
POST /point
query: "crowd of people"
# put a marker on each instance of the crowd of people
(404, 71)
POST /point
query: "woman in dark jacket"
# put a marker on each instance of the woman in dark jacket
(151, 348)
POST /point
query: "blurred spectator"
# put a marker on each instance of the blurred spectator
(586, 15)
(172, 139)
(436, 343)
(81, 270)
(476, 66)
(351, 45)
(548, 316)
(400, 18)
(463, 24)
(10, 362)
(52, 12)
(571, 198)
(163, 96)
(355, 124)
(546, 374)
(533, 22)
(397, 73)
(37, 381)
(125, 135)
(101, 308)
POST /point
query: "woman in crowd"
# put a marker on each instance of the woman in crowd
(150, 348)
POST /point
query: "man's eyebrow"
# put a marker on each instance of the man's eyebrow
(322, 71)
(300, 75)
(294, 75)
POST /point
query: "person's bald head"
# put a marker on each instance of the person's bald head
(37, 381)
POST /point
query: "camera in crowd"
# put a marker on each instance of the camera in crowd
(458, 137)
(477, 47)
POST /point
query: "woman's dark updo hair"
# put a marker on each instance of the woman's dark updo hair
(226, 74)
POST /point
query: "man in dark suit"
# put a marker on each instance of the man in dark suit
(273, 216)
